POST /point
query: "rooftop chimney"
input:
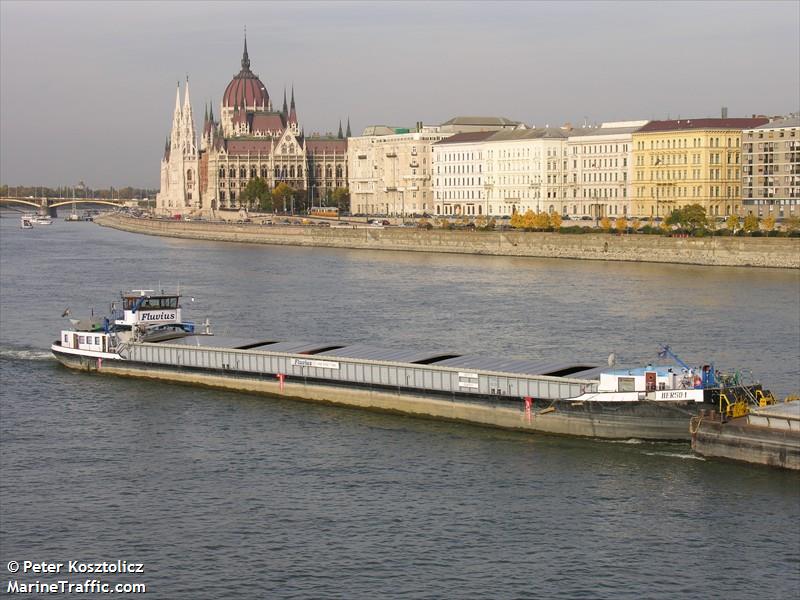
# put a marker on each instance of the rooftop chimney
(724, 112)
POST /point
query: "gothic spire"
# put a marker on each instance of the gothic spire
(245, 57)
(340, 135)
(348, 127)
(186, 103)
(292, 111)
(285, 109)
(178, 99)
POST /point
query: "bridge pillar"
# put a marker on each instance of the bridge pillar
(45, 209)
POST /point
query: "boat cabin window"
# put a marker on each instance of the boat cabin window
(150, 303)
(66, 338)
(626, 384)
(81, 339)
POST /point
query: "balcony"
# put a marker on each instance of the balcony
(362, 156)
(391, 154)
(413, 164)
(390, 188)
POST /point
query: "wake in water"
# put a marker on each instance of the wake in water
(25, 354)
(674, 455)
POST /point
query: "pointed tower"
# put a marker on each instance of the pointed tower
(340, 135)
(347, 134)
(293, 114)
(284, 110)
(177, 118)
(189, 134)
(245, 56)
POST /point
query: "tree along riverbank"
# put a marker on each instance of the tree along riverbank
(707, 251)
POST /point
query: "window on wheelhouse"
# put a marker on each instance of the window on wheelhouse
(148, 303)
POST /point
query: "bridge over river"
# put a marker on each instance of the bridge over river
(48, 205)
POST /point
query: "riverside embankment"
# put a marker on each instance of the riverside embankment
(708, 251)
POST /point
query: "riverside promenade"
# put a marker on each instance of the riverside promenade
(781, 253)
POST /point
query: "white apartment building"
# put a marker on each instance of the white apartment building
(527, 170)
(501, 173)
(600, 171)
(390, 170)
(459, 187)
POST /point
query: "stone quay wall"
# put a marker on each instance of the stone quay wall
(708, 251)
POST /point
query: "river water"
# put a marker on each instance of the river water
(224, 494)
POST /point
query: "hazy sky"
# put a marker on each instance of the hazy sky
(87, 88)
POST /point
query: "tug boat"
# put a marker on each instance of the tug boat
(146, 336)
(25, 222)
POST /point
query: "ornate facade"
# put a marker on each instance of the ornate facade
(250, 139)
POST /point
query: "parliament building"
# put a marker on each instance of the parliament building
(247, 139)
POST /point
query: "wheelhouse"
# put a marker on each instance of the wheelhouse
(146, 307)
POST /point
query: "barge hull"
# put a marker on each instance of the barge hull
(743, 442)
(653, 421)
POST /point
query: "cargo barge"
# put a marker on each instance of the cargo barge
(147, 337)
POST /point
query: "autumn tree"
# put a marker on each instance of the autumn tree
(529, 220)
(605, 224)
(516, 221)
(555, 221)
(732, 223)
(256, 194)
(281, 196)
(636, 224)
(750, 223)
(541, 221)
(622, 224)
(768, 223)
(691, 217)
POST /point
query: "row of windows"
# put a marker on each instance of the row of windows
(278, 171)
(714, 191)
(677, 175)
(599, 149)
(590, 177)
(674, 144)
(771, 133)
(602, 193)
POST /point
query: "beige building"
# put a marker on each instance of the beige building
(689, 161)
(771, 169)
(600, 171)
(390, 171)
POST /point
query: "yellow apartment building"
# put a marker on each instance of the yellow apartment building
(689, 161)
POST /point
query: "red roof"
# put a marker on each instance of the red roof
(245, 90)
(248, 146)
(326, 145)
(267, 122)
(680, 124)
